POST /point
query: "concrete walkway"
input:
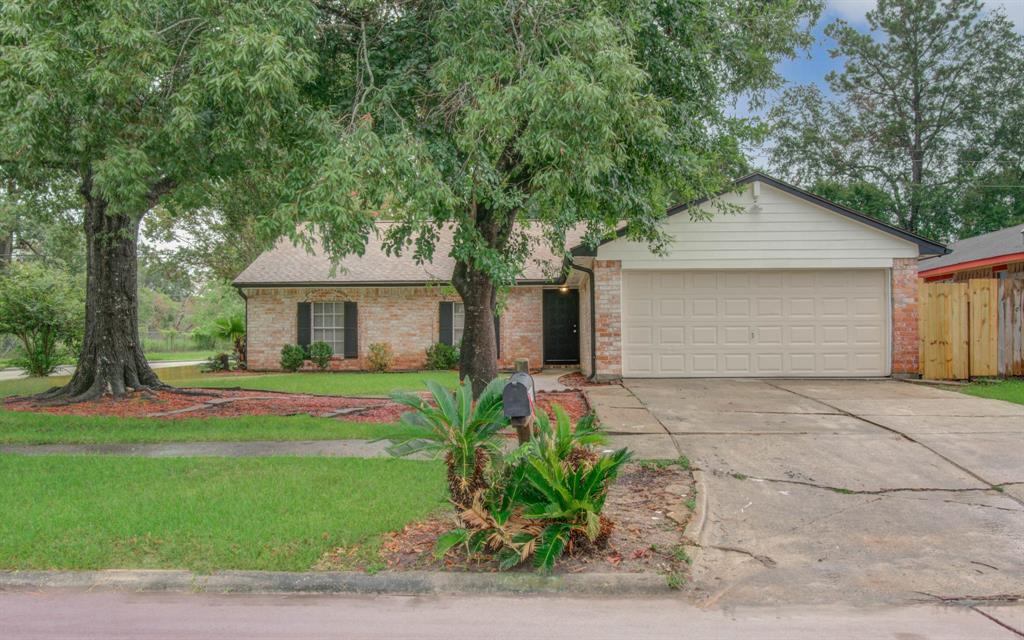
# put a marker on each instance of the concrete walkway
(14, 373)
(824, 491)
(255, 448)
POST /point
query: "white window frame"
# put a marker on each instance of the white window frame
(458, 322)
(333, 333)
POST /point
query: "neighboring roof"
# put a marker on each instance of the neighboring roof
(290, 265)
(925, 246)
(965, 253)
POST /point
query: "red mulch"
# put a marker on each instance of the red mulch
(257, 403)
(577, 380)
(574, 403)
(646, 504)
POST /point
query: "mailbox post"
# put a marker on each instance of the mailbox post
(518, 398)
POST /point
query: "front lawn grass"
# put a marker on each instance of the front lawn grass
(1009, 390)
(19, 427)
(204, 514)
(29, 386)
(327, 383)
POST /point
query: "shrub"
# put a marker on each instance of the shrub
(381, 357)
(540, 501)
(292, 357)
(219, 362)
(320, 353)
(232, 328)
(463, 431)
(45, 310)
(442, 356)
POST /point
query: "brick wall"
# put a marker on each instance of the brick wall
(608, 293)
(405, 317)
(905, 345)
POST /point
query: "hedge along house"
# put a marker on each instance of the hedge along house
(784, 284)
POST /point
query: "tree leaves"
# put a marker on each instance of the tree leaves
(921, 110)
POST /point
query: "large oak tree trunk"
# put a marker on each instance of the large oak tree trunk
(111, 359)
(479, 355)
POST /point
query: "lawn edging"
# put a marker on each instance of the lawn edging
(695, 533)
(339, 582)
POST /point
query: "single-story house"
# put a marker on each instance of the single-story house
(990, 255)
(790, 285)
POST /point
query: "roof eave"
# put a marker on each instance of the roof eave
(925, 246)
(334, 284)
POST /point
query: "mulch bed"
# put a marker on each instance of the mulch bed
(227, 403)
(646, 504)
(577, 380)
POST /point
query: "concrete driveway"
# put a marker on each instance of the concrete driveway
(838, 490)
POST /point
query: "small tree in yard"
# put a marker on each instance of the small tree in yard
(43, 307)
(488, 118)
(140, 105)
(232, 328)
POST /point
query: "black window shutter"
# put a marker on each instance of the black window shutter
(305, 325)
(351, 330)
(497, 335)
(447, 314)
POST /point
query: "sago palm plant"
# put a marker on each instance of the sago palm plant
(464, 431)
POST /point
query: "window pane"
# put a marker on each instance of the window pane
(458, 321)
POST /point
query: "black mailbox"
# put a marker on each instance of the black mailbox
(518, 396)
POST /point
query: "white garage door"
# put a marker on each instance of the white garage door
(755, 323)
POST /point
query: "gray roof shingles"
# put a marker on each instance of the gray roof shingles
(288, 264)
(988, 245)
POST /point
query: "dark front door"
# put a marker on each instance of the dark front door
(561, 326)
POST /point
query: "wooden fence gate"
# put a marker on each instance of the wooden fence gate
(972, 329)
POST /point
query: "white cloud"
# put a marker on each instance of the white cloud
(854, 10)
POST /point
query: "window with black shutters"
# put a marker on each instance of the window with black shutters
(328, 324)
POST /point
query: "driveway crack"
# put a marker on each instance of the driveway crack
(901, 434)
(764, 560)
(864, 492)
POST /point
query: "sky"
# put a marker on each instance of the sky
(812, 65)
(815, 63)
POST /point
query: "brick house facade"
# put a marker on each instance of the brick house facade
(850, 308)
(406, 318)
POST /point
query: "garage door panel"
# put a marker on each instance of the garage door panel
(756, 323)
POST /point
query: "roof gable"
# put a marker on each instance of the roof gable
(925, 246)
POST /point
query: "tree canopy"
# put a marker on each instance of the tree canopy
(130, 105)
(925, 110)
(486, 118)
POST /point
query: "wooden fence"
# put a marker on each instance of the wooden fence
(972, 329)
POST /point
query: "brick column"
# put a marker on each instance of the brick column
(905, 345)
(608, 318)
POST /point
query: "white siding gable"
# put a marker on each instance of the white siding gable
(785, 233)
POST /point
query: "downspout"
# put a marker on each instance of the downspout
(245, 344)
(593, 318)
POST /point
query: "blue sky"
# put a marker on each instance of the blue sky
(812, 65)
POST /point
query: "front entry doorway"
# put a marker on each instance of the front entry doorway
(561, 326)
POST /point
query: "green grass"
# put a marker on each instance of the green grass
(1009, 390)
(164, 356)
(335, 384)
(18, 427)
(26, 386)
(204, 514)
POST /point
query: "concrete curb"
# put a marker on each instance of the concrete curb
(395, 583)
(695, 532)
